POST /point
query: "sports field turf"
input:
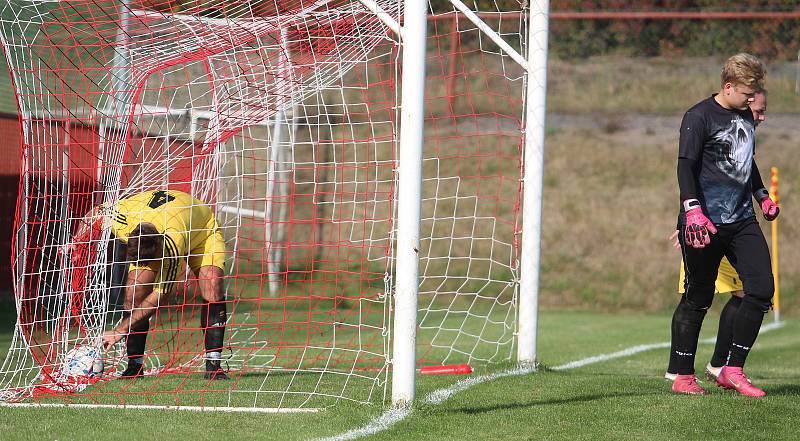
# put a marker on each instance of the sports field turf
(622, 398)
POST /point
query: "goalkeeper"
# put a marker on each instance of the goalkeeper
(718, 178)
(728, 281)
(161, 229)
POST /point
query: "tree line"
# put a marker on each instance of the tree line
(771, 39)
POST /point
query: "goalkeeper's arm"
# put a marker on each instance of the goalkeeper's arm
(768, 206)
(698, 227)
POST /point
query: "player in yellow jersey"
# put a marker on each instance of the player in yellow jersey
(728, 281)
(161, 229)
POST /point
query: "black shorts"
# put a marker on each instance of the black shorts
(744, 245)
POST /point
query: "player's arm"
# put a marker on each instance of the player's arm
(144, 303)
(768, 206)
(698, 226)
(674, 239)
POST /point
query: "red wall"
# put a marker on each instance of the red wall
(83, 145)
(9, 184)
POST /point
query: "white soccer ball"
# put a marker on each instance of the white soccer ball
(82, 361)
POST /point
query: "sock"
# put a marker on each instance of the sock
(213, 361)
(215, 315)
(686, 323)
(725, 331)
(745, 330)
(672, 365)
(136, 341)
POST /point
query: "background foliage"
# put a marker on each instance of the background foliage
(770, 39)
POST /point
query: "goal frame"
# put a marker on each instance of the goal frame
(410, 170)
(403, 320)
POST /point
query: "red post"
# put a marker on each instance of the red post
(455, 48)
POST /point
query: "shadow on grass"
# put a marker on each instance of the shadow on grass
(784, 389)
(570, 400)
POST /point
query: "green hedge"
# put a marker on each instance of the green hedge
(774, 39)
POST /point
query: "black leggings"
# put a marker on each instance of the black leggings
(744, 245)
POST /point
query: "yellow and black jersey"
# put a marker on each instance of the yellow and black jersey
(189, 227)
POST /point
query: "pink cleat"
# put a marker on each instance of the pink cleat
(734, 378)
(687, 384)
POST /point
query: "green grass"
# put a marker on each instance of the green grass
(622, 399)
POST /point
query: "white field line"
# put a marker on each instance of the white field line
(394, 416)
(440, 395)
(641, 348)
(155, 407)
(383, 422)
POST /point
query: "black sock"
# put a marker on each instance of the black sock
(686, 323)
(213, 319)
(672, 366)
(725, 331)
(745, 330)
(136, 341)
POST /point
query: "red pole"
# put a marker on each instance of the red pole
(455, 47)
(642, 15)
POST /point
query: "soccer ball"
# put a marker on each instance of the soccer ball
(82, 361)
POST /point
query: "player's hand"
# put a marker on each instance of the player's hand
(698, 228)
(674, 238)
(110, 338)
(770, 209)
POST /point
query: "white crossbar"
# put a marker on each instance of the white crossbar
(494, 36)
(387, 19)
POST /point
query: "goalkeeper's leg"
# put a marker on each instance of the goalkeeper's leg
(701, 272)
(702, 266)
(755, 268)
(213, 317)
(759, 287)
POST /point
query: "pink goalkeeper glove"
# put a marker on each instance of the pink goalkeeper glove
(698, 227)
(770, 208)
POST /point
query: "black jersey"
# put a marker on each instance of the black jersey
(723, 142)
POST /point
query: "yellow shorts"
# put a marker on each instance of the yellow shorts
(209, 251)
(727, 279)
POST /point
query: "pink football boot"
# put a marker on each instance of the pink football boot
(687, 384)
(734, 378)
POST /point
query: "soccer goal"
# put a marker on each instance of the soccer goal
(365, 161)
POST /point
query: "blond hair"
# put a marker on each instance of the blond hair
(744, 69)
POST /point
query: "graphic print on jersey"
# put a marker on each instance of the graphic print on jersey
(733, 147)
(735, 154)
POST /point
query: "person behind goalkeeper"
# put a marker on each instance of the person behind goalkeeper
(161, 228)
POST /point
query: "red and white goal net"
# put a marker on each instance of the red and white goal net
(283, 117)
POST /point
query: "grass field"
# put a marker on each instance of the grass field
(609, 183)
(623, 398)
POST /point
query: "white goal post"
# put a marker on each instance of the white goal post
(374, 166)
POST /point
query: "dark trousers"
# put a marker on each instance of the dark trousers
(744, 245)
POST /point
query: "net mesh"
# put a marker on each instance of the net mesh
(281, 116)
